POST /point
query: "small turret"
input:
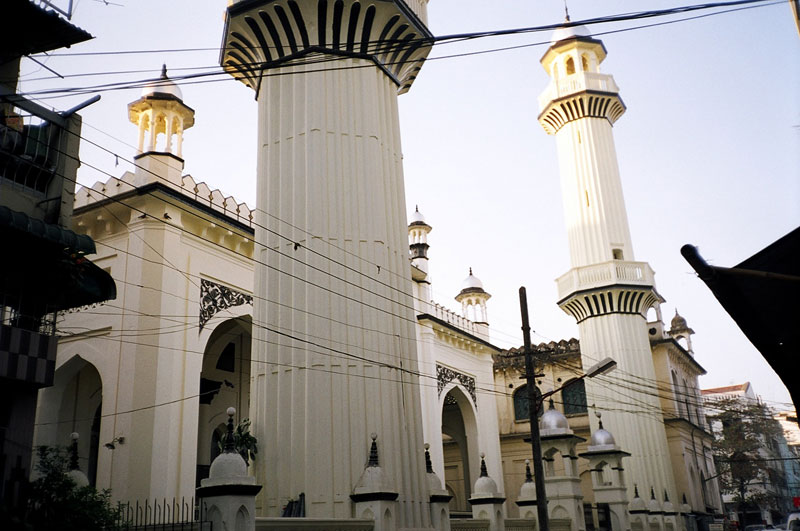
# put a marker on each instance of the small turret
(680, 330)
(418, 231)
(160, 111)
(473, 299)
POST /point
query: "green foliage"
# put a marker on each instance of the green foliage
(56, 502)
(245, 443)
(743, 429)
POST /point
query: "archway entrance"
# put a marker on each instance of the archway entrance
(77, 394)
(459, 448)
(224, 382)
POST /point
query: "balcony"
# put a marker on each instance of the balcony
(614, 272)
(574, 83)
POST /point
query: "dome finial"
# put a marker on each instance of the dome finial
(164, 71)
(73, 457)
(230, 445)
(528, 475)
(470, 270)
(566, 12)
(599, 419)
(373, 451)
(428, 464)
(416, 208)
(484, 473)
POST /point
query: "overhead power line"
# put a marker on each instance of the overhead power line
(188, 79)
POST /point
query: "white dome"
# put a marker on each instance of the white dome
(163, 86)
(637, 503)
(527, 491)
(228, 465)
(434, 483)
(554, 421)
(571, 31)
(485, 486)
(471, 282)
(603, 438)
(668, 507)
(416, 217)
(79, 478)
(653, 506)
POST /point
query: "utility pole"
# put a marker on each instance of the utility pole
(533, 403)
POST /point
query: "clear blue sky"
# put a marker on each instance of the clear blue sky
(709, 148)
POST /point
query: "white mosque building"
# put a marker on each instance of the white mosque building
(314, 321)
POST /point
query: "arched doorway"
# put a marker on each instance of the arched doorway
(79, 394)
(224, 382)
(459, 447)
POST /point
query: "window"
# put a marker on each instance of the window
(617, 254)
(585, 63)
(570, 66)
(522, 411)
(574, 397)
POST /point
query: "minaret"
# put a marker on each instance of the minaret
(473, 299)
(607, 292)
(160, 111)
(334, 352)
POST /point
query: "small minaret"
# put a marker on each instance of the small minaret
(606, 292)
(680, 330)
(473, 299)
(160, 111)
(418, 231)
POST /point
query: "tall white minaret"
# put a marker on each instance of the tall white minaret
(607, 292)
(334, 352)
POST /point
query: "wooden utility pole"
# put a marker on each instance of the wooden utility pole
(533, 403)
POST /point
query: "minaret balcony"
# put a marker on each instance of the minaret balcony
(605, 274)
(265, 34)
(574, 83)
(615, 287)
(577, 96)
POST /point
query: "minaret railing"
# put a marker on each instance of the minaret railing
(577, 82)
(605, 274)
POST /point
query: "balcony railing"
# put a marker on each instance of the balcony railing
(577, 83)
(605, 274)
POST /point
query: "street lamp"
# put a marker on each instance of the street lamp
(535, 400)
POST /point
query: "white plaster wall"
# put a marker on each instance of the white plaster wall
(147, 347)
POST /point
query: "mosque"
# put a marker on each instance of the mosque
(313, 319)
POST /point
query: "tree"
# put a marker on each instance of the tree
(743, 430)
(56, 502)
(245, 443)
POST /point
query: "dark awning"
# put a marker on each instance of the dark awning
(44, 266)
(13, 220)
(762, 294)
(29, 29)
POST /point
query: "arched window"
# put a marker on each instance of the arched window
(585, 63)
(570, 66)
(574, 397)
(679, 411)
(689, 410)
(522, 409)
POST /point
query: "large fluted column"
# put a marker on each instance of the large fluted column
(334, 353)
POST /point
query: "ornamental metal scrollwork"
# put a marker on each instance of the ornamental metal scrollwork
(445, 375)
(215, 297)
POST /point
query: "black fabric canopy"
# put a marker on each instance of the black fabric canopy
(762, 294)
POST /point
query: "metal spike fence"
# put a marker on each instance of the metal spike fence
(157, 515)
